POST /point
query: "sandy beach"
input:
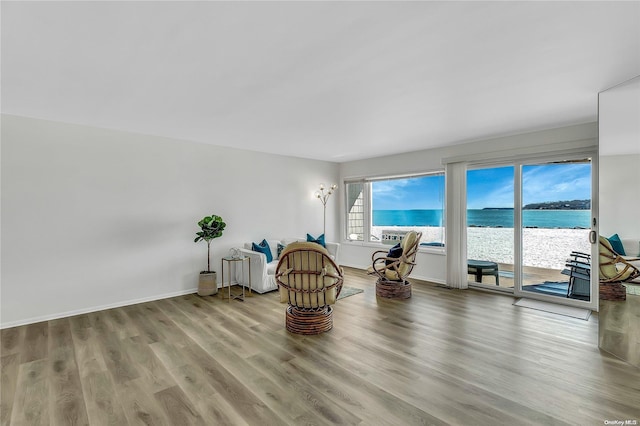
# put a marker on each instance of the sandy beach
(542, 247)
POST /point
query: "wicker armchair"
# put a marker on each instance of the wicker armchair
(310, 282)
(393, 271)
(613, 267)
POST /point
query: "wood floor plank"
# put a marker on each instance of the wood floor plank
(441, 357)
(219, 325)
(78, 322)
(122, 325)
(178, 408)
(11, 340)
(204, 397)
(317, 398)
(172, 332)
(117, 359)
(229, 387)
(65, 390)
(9, 376)
(279, 398)
(151, 370)
(89, 357)
(31, 402)
(146, 328)
(391, 409)
(205, 335)
(139, 405)
(34, 346)
(456, 399)
(103, 406)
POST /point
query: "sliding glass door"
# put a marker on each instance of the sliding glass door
(490, 227)
(556, 216)
(527, 223)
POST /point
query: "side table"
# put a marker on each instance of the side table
(229, 261)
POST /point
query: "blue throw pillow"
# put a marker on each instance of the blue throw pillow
(319, 240)
(263, 247)
(395, 252)
(616, 244)
(280, 248)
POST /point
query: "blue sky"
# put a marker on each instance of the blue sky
(550, 182)
(491, 187)
(425, 193)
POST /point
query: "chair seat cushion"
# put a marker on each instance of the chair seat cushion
(410, 240)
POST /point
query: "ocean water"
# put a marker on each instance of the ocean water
(486, 218)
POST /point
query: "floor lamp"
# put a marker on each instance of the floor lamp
(323, 197)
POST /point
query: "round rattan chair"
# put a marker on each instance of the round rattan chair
(393, 271)
(310, 282)
(613, 267)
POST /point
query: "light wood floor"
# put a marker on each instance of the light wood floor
(442, 357)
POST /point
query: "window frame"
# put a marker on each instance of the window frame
(368, 207)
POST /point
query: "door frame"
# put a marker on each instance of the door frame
(518, 163)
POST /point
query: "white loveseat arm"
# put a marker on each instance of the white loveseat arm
(631, 247)
(258, 263)
(334, 251)
(262, 273)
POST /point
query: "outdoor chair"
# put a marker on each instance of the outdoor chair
(310, 282)
(578, 268)
(394, 266)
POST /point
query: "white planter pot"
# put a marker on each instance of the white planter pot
(207, 284)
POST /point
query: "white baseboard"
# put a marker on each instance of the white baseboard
(418, 277)
(96, 308)
(431, 280)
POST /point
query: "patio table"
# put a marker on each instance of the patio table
(480, 268)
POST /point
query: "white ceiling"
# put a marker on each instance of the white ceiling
(334, 81)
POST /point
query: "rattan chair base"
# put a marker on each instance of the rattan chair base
(309, 322)
(613, 291)
(393, 289)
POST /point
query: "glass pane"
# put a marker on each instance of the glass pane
(399, 205)
(490, 226)
(355, 211)
(556, 215)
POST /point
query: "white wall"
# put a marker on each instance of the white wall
(620, 196)
(93, 218)
(431, 265)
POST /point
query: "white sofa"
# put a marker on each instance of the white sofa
(631, 247)
(263, 273)
(632, 251)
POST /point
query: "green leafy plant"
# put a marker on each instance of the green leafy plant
(211, 227)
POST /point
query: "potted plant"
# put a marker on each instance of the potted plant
(211, 227)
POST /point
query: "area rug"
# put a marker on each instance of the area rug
(632, 288)
(568, 311)
(349, 291)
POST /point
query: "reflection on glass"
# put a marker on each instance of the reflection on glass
(619, 133)
(490, 226)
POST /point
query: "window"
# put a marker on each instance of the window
(355, 211)
(382, 209)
